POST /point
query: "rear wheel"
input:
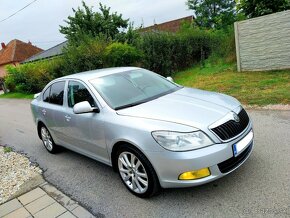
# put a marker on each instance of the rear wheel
(137, 172)
(47, 140)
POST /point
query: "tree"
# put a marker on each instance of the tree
(86, 22)
(215, 14)
(255, 8)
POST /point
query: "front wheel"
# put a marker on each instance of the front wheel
(47, 140)
(137, 172)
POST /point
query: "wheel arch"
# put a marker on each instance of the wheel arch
(39, 125)
(117, 145)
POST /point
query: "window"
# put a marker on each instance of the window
(46, 95)
(56, 93)
(77, 92)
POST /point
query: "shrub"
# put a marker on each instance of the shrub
(163, 53)
(223, 48)
(119, 54)
(32, 77)
(87, 55)
(166, 53)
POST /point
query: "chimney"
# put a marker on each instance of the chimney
(3, 45)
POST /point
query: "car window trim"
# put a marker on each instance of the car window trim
(42, 96)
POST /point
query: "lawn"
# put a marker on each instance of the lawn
(17, 95)
(251, 88)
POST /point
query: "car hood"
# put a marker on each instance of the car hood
(192, 107)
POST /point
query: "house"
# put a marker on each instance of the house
(170, 26)
(47, 54)
(14, 53)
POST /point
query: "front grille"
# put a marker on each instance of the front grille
(233, 162)
(232, 128)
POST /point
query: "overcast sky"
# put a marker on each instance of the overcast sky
(40, 22)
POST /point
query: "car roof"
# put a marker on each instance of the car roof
(88, 75)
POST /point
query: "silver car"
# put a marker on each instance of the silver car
(154, 133)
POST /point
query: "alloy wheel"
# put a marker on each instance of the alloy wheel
(46, 138)
(133, 172)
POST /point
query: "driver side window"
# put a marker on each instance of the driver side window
(77, 92)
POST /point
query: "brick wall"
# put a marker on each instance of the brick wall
(263, 43)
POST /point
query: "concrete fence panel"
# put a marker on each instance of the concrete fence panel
(263, 43)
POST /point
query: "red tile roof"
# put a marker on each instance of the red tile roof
(17, 51)
(170, 26)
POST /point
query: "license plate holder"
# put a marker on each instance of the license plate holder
(241, 145)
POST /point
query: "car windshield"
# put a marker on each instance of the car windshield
(130, 88)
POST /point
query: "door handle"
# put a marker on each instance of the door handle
(43, 111)
(67, 117)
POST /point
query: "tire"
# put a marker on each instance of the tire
(138, 175)
(47, 140)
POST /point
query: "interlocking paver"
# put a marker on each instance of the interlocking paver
(60, 197)
(31, 196)
(19, 213)
(43, 202)
(53, 210)
(39, 204)
(66, 215)
(81, 212)
(9, 206)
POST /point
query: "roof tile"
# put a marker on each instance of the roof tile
(17, 51)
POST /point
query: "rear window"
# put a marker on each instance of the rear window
(54, 94)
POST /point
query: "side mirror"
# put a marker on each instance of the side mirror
(84, 107)
(170, 79)
(36, 95)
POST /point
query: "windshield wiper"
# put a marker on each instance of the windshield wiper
(130, 105)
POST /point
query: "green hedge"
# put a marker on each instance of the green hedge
(32, 77)
(166, 53)
(119, 54)
(163, 53)
(88, 55)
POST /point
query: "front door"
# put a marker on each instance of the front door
(83, 132)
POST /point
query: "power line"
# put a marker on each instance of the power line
(18, 11)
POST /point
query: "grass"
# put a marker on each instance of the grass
(7, 149)
(251, 88)
(17, 95)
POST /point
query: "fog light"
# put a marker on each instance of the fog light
(196, 174)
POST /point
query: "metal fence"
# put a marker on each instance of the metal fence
(263, 43)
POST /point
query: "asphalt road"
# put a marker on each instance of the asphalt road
(260, 188)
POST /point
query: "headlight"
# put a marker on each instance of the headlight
(178, 141)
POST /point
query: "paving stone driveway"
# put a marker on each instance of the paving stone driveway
(44, 201)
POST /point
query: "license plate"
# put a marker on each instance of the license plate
(241, 145)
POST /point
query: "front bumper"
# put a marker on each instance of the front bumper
(218, 158)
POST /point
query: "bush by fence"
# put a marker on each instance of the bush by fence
(165, 53)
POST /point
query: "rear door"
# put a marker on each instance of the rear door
(56, 107)
(45, 110)
(50, 106)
